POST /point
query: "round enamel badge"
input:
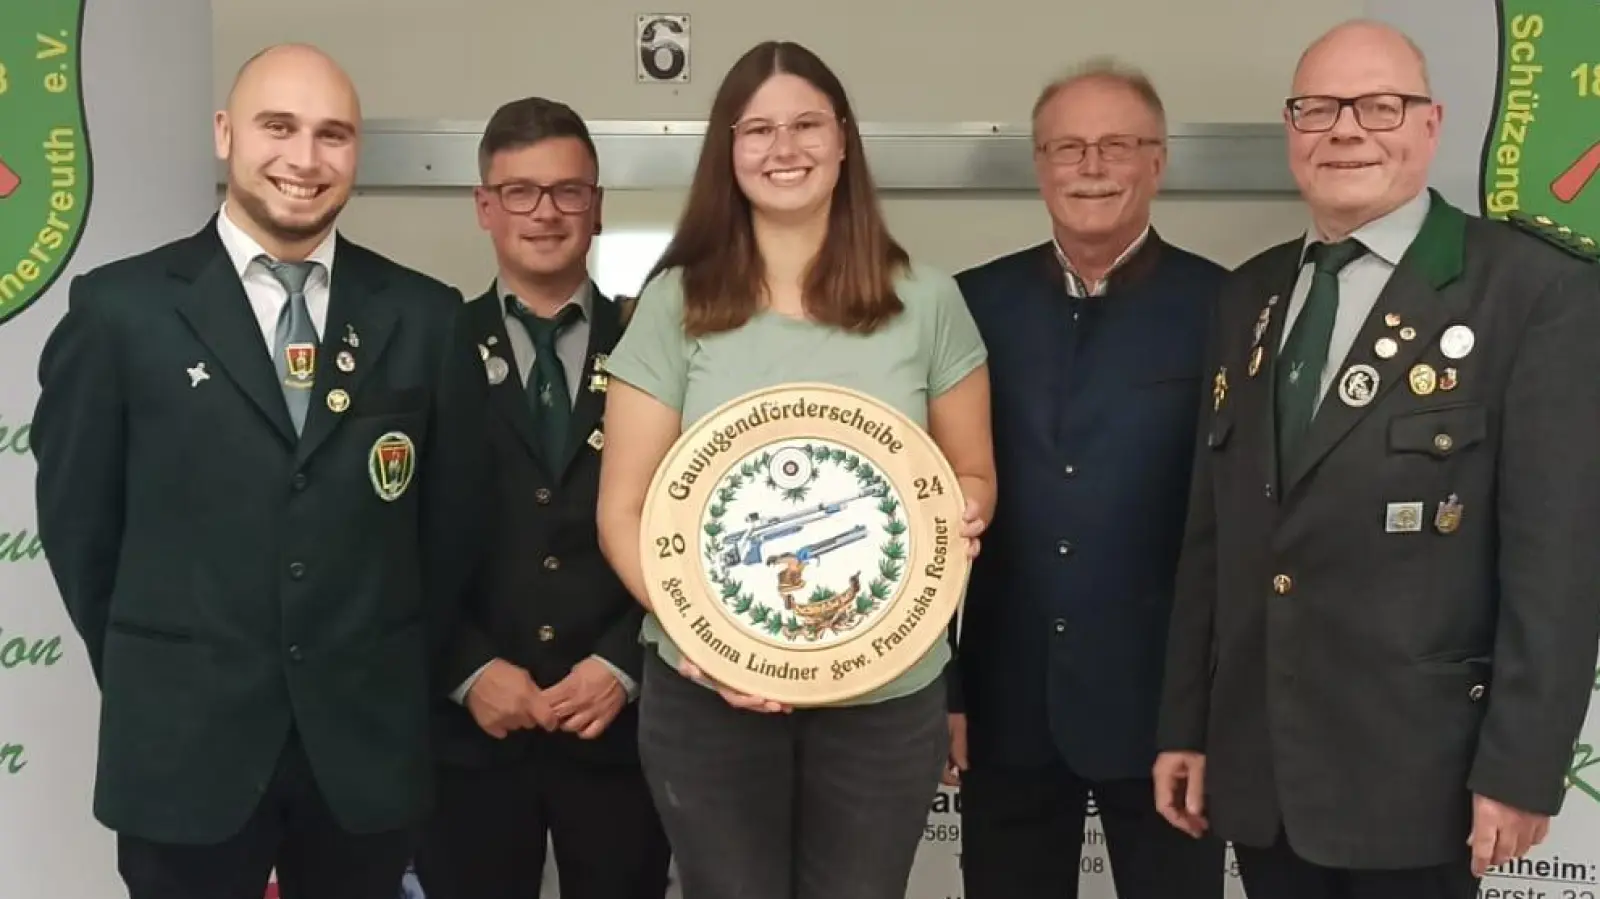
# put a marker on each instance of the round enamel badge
(391, 463)
(803, 544)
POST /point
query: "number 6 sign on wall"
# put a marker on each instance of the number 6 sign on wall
(663, 48)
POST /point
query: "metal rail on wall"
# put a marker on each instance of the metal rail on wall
(401, 154)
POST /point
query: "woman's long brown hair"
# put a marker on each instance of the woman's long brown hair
(850, 284)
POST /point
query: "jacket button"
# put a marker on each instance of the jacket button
(295, 653)
(1443, 442)
(1064, 548)
(551, 563)
(546, 633)
(542, 496)
(299, 481)
(1282, 584)
(1060, 626)
(1476, 693)
(297, 570)
(1070, 470)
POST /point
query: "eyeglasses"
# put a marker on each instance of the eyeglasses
(1112, 148)
(1374, 112)
(810, 131)
(523, 197)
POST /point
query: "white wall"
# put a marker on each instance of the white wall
(900, 61)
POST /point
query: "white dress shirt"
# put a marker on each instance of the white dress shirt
(267, 296)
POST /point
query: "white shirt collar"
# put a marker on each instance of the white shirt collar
(1077, 286)
(243, 249)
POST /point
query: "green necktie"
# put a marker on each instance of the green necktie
(1305, 354)
(294, 346)
(548, 395)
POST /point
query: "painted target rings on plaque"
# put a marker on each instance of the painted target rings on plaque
(803, 544)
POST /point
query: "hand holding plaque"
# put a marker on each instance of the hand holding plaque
(805, 545)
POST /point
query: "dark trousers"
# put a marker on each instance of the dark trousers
(292, 830)
(487, 837)
(816, 804)
(1022, 830)
(1277, 872)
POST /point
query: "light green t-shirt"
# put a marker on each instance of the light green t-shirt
(919, 355)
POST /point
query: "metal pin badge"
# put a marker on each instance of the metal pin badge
(1403, 518)
(1423, 379)
(1448, 518)
(496, 368)
(1457, 341)
(1358, 385)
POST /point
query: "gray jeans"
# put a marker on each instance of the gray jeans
(817, 804)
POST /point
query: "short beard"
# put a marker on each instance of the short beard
(259, 213)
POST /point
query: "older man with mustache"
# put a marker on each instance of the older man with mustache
(1096, 340)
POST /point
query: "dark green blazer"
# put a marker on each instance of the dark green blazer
(229, 580)
(1405, 613)
(544, 597)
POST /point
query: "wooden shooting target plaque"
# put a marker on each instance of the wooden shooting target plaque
(803, 544)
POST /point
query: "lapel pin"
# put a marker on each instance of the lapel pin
(1423, 379)
(496, 368)
(1386, 348)
(1408, 333)
(1358, 385)
(1255, 359)
(598, 383)
(1219, 389)
(350, 336)
(198, 373)
(1457, 341)
(302, 358)
(597, 440)
(600, 362)
(493, 340)
(1447, 379)
(338, 400)
(1448, 518)
(1392, 320)
(345, 361)
(1403, 518)
(1262, 321)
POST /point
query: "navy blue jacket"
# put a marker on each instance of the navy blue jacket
(1095, 403)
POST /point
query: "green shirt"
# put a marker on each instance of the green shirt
(917, 356)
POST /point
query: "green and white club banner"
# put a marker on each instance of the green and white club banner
(105, 151)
